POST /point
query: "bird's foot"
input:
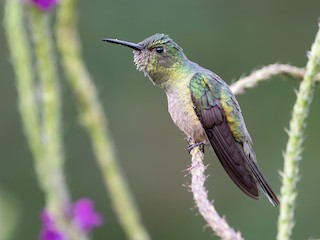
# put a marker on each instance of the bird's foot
(197, 144)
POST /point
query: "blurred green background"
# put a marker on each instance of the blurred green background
(228, 37)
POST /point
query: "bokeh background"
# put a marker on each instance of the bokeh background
(228, 37)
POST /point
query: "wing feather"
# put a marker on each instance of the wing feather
(228, 143)
(228, 151)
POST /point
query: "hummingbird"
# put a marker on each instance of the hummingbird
(202, 105)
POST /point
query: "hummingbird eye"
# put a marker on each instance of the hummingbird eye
(159, 49)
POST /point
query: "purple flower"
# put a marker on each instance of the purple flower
(45, 5)
(85, 215)
(49, 234)
(49, 231)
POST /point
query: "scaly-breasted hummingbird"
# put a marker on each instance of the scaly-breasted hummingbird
(202, 105)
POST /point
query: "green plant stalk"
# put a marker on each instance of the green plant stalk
(50, 109)
(22, 64)
(50, 170)
(93, 118)
(206, 208)
(293, 151)
(9, 215)
(19, 47)
(265, 73)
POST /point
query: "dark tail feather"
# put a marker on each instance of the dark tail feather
(237, 158)
(262, 182)
(233, 160)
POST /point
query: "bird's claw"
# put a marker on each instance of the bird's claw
(197, 144)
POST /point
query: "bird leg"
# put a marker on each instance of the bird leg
(197, 144)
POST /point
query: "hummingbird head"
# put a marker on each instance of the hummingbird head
(158, 56)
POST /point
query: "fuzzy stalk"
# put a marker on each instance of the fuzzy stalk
(292, 155)
(9, 215)
(266, 73)
(218, 224)
(50, 169)
(93, 118)
(22, 65)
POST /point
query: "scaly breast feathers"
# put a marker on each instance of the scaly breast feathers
(181, 109)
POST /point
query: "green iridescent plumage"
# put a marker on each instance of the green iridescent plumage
(202, 105)
(207, 89)
(221, 118)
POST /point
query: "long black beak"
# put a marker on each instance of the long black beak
(134, 46)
